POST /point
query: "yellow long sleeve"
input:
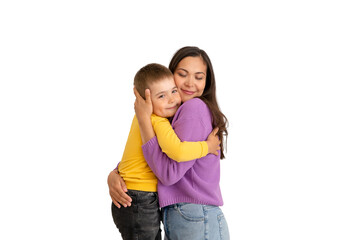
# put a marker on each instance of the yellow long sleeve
(133, 167)
(172, 145)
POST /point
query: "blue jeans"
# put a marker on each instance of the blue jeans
(195, 222)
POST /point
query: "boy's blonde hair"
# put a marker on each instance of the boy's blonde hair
(149, 74)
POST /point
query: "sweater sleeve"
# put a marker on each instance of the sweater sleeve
(193, 123)
(172, 146)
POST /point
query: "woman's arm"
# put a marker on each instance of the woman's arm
(169, 142)
(193, 123)
(180, 151)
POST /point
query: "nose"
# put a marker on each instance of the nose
(170, 99)
(189, 80)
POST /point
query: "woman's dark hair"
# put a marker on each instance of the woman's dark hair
(209, 93)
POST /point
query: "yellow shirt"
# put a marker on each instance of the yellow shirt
(133, 167)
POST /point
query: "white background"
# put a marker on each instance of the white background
(287, 74)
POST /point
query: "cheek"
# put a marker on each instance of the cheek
(178, 81)
(182, 96)
(157, 111)
(201, 86)
(155, 107)
(178, 98)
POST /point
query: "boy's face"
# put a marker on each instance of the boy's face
(165, 97)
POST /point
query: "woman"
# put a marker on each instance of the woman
(189, 193)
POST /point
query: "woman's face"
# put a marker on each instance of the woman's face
(190, 77)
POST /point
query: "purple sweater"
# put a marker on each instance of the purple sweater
(196, 181)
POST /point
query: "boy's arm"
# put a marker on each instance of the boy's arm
(168, 171)
(170, 143)
(179, 151)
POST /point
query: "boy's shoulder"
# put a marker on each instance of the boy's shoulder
(157, 119)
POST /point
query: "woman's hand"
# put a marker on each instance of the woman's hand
(213, 142)
(118, 189)
(143, 107)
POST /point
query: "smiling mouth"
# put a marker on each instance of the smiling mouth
(187, 92)
(172, 107)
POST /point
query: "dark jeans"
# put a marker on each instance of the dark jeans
(141, 221)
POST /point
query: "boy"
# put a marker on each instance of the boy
(142, 219)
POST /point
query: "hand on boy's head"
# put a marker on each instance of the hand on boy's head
(148, 95)
(143, 108)
(137, 94)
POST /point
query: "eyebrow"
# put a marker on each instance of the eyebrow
(164, 91)
(187, 71)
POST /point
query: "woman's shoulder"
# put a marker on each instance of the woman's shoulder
(194, 107)
(195, 103)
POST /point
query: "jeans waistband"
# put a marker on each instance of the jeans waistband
(178, 205)
(141, 196)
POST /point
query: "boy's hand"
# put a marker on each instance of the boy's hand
(213, 142)
(143, 108)
(118, 190)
